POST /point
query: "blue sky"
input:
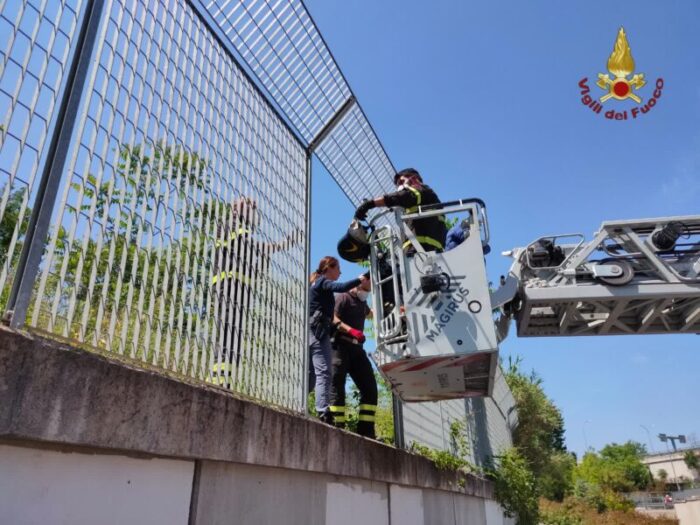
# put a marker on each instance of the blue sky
(483, 99)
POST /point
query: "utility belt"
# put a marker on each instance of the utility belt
(320, 325)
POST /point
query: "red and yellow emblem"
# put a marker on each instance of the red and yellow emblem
(621, 65)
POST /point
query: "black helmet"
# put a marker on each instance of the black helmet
(406, 173)
(353, 246)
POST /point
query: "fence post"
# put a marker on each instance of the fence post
(307, 270)
(316, 142)
(399, 438)
(40, 220)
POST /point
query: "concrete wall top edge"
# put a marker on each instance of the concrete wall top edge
(64, 396)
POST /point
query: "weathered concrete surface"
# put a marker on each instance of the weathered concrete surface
(40, 486)
(406, 505)
(658, 513)
(688, 512)
(54, 393)
(233, 493)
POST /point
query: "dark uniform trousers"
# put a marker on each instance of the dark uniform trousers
(232, 301)
(349, 358)
(232, 312)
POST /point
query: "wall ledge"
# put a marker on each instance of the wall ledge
(61, 396)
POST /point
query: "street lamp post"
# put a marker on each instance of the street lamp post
(672, 439)
(665, 438)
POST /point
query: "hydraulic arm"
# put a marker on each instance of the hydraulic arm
(634, 277)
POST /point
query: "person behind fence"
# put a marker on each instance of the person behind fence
(322, 287)
(349, 357)
(411, 192)
(240, 261)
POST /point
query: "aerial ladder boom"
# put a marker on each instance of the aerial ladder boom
(633, 277)
(438, 322)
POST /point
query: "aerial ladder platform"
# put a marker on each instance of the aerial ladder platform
(438, 321)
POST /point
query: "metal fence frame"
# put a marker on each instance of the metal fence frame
(62, 150)
(279, 51)
(33, 248)
(295, 76)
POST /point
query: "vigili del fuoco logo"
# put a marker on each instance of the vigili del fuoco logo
(619, 86)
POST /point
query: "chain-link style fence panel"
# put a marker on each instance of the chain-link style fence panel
(36, 41)
(178, 236)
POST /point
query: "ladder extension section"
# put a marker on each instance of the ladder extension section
(634, 277)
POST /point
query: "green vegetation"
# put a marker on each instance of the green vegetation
(129, 263)
(538, 464)
(602, 479)
(384, 417)
(16, 212)
(384, 422)
(574, 511)
(515, 486)
(539, 436)
(691, 459)
(616, 468)
(454, 459)
(594, 491)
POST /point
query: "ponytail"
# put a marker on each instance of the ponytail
(326, 262)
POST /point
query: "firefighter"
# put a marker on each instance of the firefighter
(240, 260)
(322, 287)
(430, 232)
(349, 357)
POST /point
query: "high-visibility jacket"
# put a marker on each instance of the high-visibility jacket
(236, 256)
(430, 232)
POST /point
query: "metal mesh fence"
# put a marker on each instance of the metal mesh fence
(179, 231)
(353, 152)
(178, 234)
(36, 39)
(281, 44)
(285, 50)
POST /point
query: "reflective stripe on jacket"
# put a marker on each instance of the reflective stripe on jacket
(431, 232)
(239, 260)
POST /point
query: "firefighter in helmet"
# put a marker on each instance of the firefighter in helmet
(412, 192)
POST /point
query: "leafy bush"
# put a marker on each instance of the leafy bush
(539, 436)
(515, 487)
(692, 460)
(616, 468)
(443, 459)
(574, 511)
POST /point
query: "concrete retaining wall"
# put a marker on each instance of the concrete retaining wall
(59, 487)
(687, 512)
(89, 440)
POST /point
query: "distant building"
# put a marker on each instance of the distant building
(674, 465)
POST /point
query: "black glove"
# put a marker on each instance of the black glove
(362, 209)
